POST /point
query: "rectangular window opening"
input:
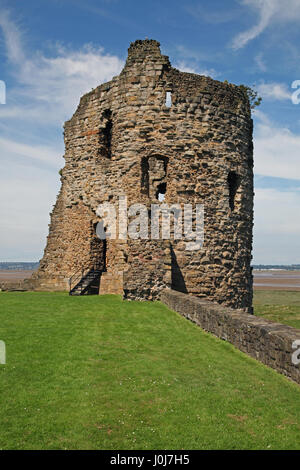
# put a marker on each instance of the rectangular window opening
(168, 99)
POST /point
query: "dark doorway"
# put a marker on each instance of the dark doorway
(98, 249)
(177, 279)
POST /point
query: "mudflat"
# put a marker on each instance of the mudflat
(15, 275)
(263, 280)
(276, 280)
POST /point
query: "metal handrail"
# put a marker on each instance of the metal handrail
(82, 272)
(75, 278)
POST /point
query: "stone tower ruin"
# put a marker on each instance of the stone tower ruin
(126, 140)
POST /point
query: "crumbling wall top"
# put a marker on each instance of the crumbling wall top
(141, 48)
(144, 51)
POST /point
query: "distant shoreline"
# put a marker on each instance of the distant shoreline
(276, 267)
(18, 266)
(263, 279)
(15, 275)
(32, 265)
(276, 279)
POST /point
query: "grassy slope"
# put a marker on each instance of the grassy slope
(99, 373)
(278, 306)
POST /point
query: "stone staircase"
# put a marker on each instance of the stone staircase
(85, 282)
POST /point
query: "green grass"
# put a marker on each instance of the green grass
(278, 306)
(98, 373)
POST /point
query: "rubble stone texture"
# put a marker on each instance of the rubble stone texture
(123, 140)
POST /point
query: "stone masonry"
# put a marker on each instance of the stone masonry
(124, 141)
(271, 343)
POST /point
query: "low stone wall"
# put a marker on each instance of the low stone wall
(31, 284)
(268, 342)
(12, 286)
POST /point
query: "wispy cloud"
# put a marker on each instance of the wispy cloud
(27, 195)
(195, 54)
(112, 16)
(214, 16)
(192, 61)
(274, 91)
(42, 154)
(269, 203)
(260, 62)
(276, 149)
(12, 37)
(276, 208)
(49, 87)
(185, 66)
(44, 91)
(276, 226)
(269, 12)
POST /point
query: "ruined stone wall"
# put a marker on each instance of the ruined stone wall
(124, 140)
(214, 167)
(71, 244)
(268, 342)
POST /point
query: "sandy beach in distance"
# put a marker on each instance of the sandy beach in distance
(276, 280)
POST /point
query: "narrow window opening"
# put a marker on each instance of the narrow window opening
(168, 99)
(233, 184)
(161, 192)
(108, 132)
(153, 173)
(145, 176)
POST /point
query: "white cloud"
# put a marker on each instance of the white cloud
(269, 11)
(48, 88)
(46, 92)
(184, 66)
(27, 196)
(276, 150)
(12, 36)
(274, 91)
(190, 61)
(277, 211)
(276, 226)
(212, 16)
(260, 63)
(54, 85)
(11, 150)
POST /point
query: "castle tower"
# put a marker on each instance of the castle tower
(125, 140)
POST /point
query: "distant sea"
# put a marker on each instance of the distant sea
(18, 266)
(276, 267)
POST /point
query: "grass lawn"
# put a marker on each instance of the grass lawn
(98, 373)
(278, 306)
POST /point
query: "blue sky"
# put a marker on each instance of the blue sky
(53, 51)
